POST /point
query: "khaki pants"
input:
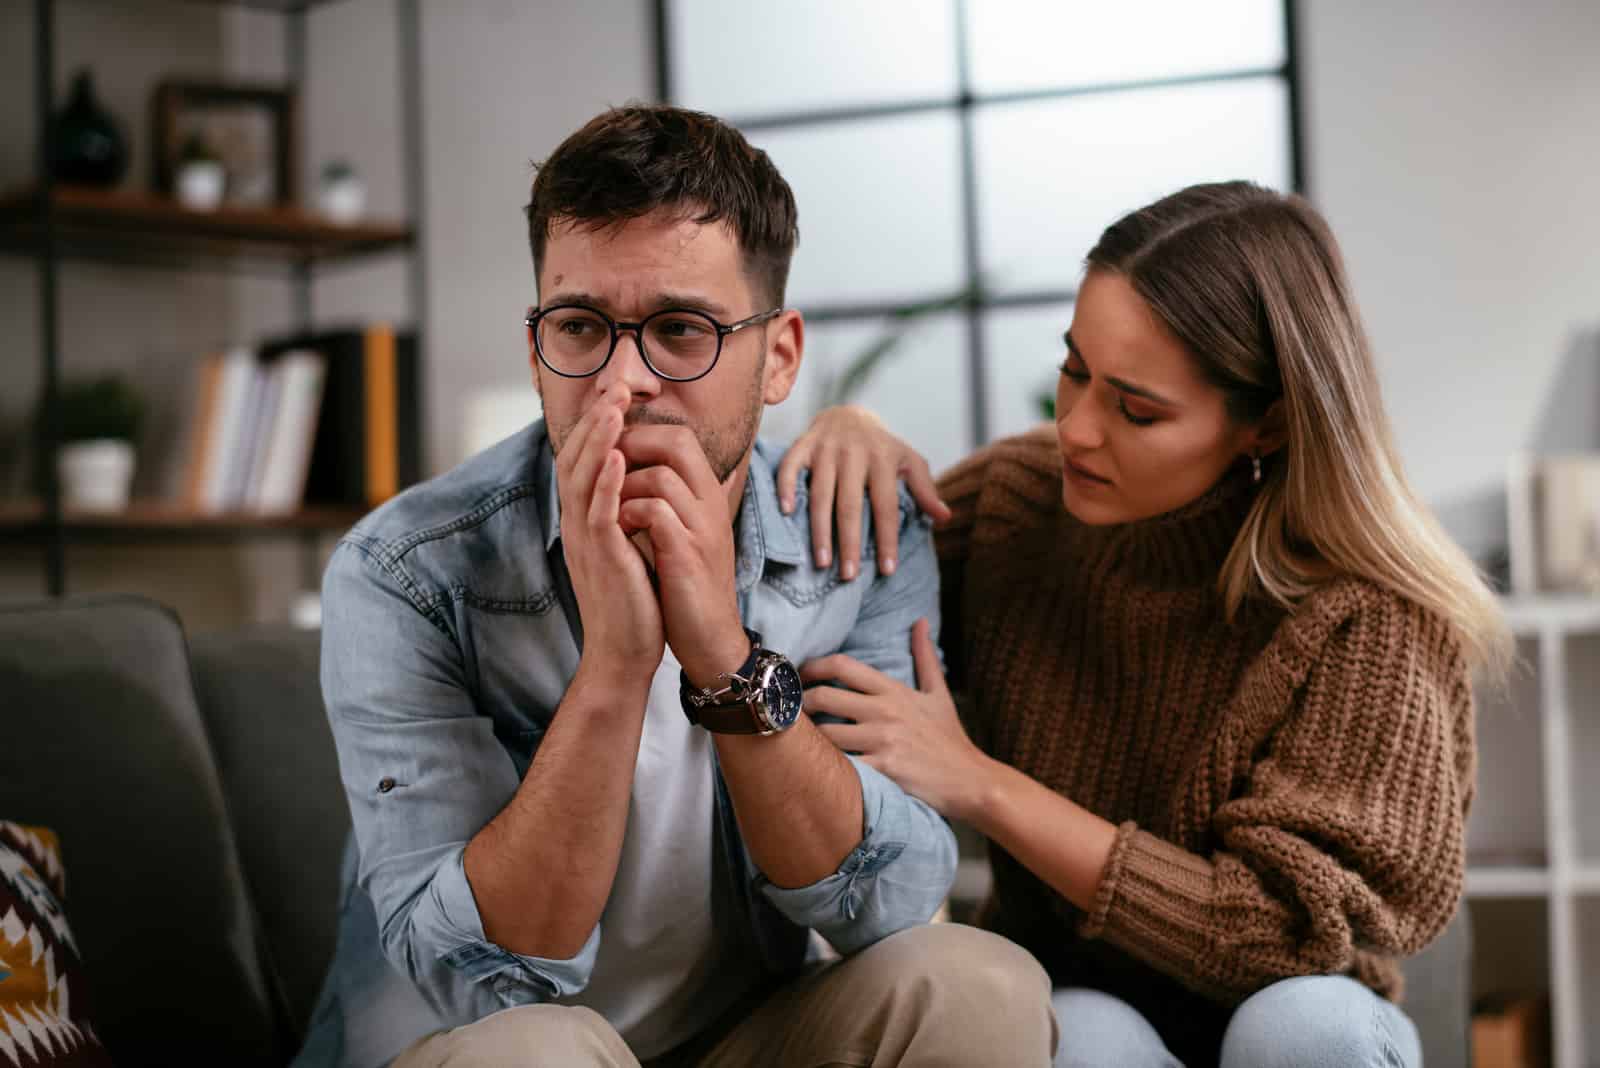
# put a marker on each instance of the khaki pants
(938, 995)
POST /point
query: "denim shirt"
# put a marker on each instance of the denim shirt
(450, 635)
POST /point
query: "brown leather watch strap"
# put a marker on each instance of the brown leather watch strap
(727, 719)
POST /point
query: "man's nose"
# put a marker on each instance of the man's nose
(628, 367)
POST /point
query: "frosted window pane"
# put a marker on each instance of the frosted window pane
(740, 60)
(920, 390)
(879, 208)
(1020, 45)
(1023, 353)
(1052, 175)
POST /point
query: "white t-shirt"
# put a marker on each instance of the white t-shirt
(662, 972)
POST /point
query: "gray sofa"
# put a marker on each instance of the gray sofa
(194, 784)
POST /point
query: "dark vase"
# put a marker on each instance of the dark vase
(86, 146)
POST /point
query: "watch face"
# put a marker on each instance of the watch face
(782, 694)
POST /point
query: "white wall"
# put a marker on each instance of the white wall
(1455, 147)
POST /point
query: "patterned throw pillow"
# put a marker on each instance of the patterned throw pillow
(43, 1017)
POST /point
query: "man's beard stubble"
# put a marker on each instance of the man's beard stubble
(724, 449)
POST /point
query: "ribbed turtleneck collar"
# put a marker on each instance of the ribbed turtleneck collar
(1184, 546)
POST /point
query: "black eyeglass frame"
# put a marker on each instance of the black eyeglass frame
(618, 328)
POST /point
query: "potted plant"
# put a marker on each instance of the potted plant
(99, 421)
(342, 195)
(201, 176)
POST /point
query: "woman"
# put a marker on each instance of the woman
(1219, 658)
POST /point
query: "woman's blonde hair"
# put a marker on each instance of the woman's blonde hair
(1252, 282)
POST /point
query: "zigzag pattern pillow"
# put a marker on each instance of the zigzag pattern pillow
(43, 1017)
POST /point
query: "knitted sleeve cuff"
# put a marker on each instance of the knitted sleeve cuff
(1154, 902)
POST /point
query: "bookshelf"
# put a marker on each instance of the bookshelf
(52, 223)
(159, 521)
(1535, 748)
(121, 226)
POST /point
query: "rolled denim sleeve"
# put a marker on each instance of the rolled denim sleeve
(423, 773)
(902, 870)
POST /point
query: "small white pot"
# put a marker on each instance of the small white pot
(200, 184)
(95, 475)
(343, 200)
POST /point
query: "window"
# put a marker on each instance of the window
(970, 152)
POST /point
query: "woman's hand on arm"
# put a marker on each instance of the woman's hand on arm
(912, 735)
(851, 454)
(915, 737)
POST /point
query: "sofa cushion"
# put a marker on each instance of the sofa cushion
(262, 703)
(104, 743)
(44, 995)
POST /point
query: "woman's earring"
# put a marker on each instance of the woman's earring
(1255, 468)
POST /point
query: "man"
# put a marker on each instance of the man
(561, 682)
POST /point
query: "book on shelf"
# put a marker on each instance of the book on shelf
(367, 445)
(329, 418)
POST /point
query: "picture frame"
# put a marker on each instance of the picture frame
(1553, 522)
(250, 127)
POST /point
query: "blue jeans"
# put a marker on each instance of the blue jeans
(1318, 1021)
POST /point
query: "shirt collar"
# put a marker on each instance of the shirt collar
(763, 532)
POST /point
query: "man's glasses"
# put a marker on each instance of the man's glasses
(679, 345)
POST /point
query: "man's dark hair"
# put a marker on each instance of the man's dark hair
(630, 161)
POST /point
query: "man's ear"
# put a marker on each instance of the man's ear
(786, 344)
(1271, 433)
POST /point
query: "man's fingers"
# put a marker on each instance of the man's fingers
(930, 673)
(572, 447)
(652, 514)
(606, 500)
(823, 473)
(848, 492)
(924, 490)
(667, 485)
(596, 445)
(848, 670)
(649, 445)
(882, 487)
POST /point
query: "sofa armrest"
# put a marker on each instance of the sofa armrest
(103, 742)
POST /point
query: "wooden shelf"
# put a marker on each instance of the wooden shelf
(164, 521)
(123, 227)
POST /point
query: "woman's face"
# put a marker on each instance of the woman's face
(1140, 431)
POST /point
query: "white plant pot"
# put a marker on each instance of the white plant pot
(95, 475)
(343, 200)
(200, 184)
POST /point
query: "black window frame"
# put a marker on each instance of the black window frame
(976, 300)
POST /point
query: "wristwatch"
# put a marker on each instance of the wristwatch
(761, 697)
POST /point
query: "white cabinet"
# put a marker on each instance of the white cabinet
(1534, 836)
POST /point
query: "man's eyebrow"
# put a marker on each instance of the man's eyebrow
(661, 302)
(691, 303)
(1120, 383)
(574, 297)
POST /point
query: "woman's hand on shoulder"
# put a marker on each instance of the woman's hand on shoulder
(851, 455)
(912, 735)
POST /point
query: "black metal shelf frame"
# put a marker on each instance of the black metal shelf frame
(51, 252)
(965, 103)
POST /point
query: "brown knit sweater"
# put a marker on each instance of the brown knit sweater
(1290, 789)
